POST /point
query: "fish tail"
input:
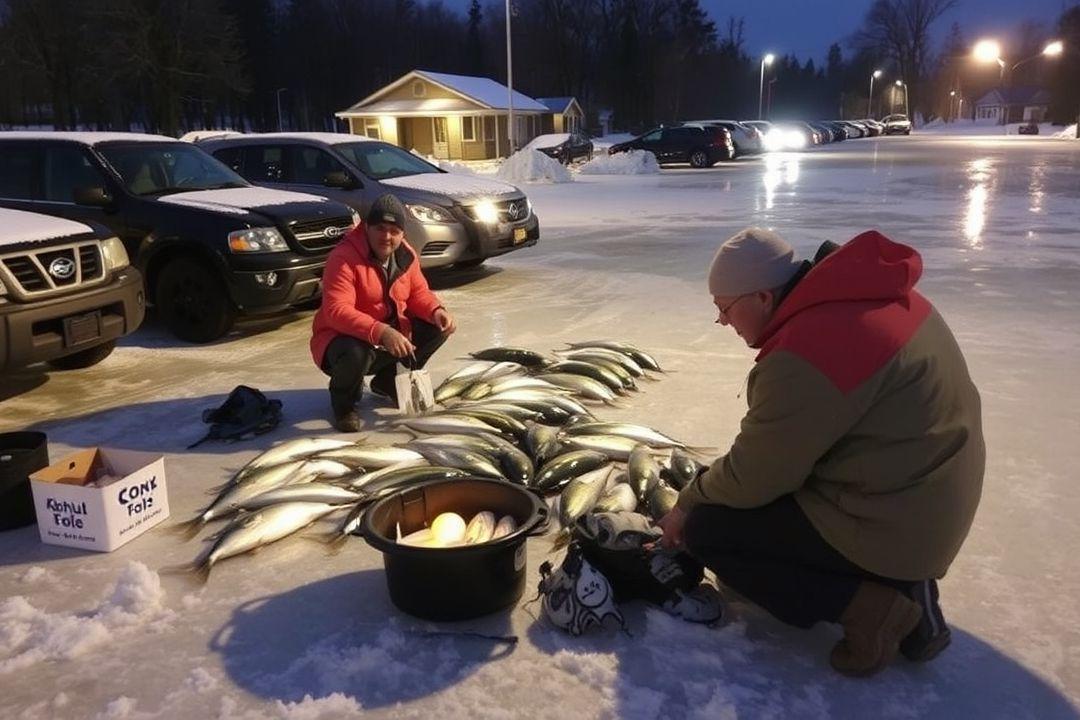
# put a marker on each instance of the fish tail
(616, 404)
(217, 489)
(198, 570)
(561, 540)
(189, 528)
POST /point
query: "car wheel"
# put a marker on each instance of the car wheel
(192, 302)
(469, 264)
(699, 159)
(84, 358)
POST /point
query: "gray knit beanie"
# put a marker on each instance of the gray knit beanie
(751, 260)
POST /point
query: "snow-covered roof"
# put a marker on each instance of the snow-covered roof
(325, 137)
(87, 138)
(481, 91)
(23, 227)
(1021, 95)
(559, 104)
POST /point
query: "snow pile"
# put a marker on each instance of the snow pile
(547, 141)
(335, 705)
(455, 167)
(1069, 133)
(632, 162)
(29, 635)
(533, 166)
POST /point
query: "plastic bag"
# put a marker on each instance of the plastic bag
(415, 394)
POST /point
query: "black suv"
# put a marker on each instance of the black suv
(701, 145)
(209, 245)
(453, 219)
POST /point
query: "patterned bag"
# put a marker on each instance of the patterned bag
(576, 596)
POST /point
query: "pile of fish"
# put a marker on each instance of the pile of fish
(514, 415)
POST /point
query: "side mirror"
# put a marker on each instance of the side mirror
(92, 197)
(339, 179)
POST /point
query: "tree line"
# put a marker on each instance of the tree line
(173, 65)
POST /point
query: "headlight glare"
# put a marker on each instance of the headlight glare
(486, 212)
(257, 240)
(113, 254)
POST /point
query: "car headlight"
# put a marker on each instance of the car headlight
(355, 217)
(430, 215)
(114, 255)
(795, 139)
(486, 212)
(257, 240)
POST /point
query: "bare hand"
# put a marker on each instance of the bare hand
(395, 343)
(444, 321)
(672, 525)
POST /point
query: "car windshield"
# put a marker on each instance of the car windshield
(380, 161)
(164, 168)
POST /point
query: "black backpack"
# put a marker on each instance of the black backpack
(246, 412)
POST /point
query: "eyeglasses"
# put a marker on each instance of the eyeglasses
(727, 308)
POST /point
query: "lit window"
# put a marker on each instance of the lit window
(371, 128)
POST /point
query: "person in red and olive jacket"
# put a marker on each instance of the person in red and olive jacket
(858, 467)
(376, 309)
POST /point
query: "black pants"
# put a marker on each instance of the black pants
(348, 359)
(773, 556)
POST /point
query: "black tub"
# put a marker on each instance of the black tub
(454, 583)
(21, 453)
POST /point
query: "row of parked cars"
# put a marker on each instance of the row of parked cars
(703, 143)
(96, 226)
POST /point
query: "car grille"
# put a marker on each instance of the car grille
(53, 270)
(434, 248)
(510, 211)
(322, 233)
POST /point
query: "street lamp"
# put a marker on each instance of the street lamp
(901, 83)
(767, 60)
(990, 51)
(952, 98)
(870, 99)
(279, 91)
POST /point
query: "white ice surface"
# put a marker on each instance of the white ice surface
(17, 226)
(293, 633)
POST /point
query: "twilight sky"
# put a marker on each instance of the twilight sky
(807, 27)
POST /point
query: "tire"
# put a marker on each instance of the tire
(469, 264)
(192, 302)
(699, 159)
(84, 358)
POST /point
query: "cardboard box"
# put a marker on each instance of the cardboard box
(99, 499)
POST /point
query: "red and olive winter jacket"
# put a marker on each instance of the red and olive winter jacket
(354, 294)
(861, 405)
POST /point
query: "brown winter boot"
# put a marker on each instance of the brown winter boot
(875, 622)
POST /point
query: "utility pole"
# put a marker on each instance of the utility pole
(280, 127)
(509, 85)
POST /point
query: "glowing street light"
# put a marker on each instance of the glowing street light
(901, 83)
(988, 51)
(1054, 48)
(767, 60)
(870, 98)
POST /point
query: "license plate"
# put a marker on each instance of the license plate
(520, 234)
(79, 329)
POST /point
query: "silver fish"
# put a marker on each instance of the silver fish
(642, 472)
(371, 457)
(581, 494)
(681, 469)
(563, 468)
(620, 498)
(470, 371)
(596, 372)
(336, 538)
(304, 492)
(521, 356)
(517, 383)
(476, 443)
(614, 446)
(451, 389)
(542, 442)
(286, 451)
(661, 500)
(447, 424)
(501, 369)
(462, 458)
(582, 385)
(641, 433)
(516, 465)
(362, 481)
(638, 355)
(255, 531)
(615, 356)
(476, 391)
(517, 412)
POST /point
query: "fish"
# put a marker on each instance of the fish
(481, 528)
(515, 464)
(336, 539)
(515, 411)
(450, 389)
(596, 372)
(542, 442)
(581, 494)
(681, 469)
(642, 472)
(500, 421)
(543, 410)
(436, 424)
(399, 477)
(252, 532)
(618, 498)
(561, 469)
(463, 458)
(642, 358)
(506, 525)
(359, 482)
(641, 433)
(471, 371)
(284, 452)
(661, 500)
(514, 383)
(615, 368)
(501, 370)
(476, 443)
(304, 492)
(371, 457)
(476, 391)
(528, 358)
(616, 447)
(532, 393)
(421, 538)
(582, 385)
(625, 361)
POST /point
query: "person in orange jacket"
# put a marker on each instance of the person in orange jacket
(377, 309)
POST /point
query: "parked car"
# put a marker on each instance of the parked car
(794, 135)
(876, 128)
(746, 138)
(67, 289)
(700, 145)
(564, 147)
(1029, 128)
(896, 125)
(854, 129)
(209, 245)
(455, 219)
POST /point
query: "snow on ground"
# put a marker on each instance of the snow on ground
(533, 166)
(1069, 133)
(980, 127)
(632, 162)
(294, 633)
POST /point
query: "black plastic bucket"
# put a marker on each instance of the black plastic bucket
(21, 453)
(455, 583)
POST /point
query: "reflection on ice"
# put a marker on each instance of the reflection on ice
(1036, 188)
(981, 173)
(780, 168)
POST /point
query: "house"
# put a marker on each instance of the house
(450, 117)
(566, 115)
(1013, 104)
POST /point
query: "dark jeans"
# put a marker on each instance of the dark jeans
(348, 359)
(773, 556)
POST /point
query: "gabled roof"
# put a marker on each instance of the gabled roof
(1021, 95)
(560, 104)
(483, 92)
